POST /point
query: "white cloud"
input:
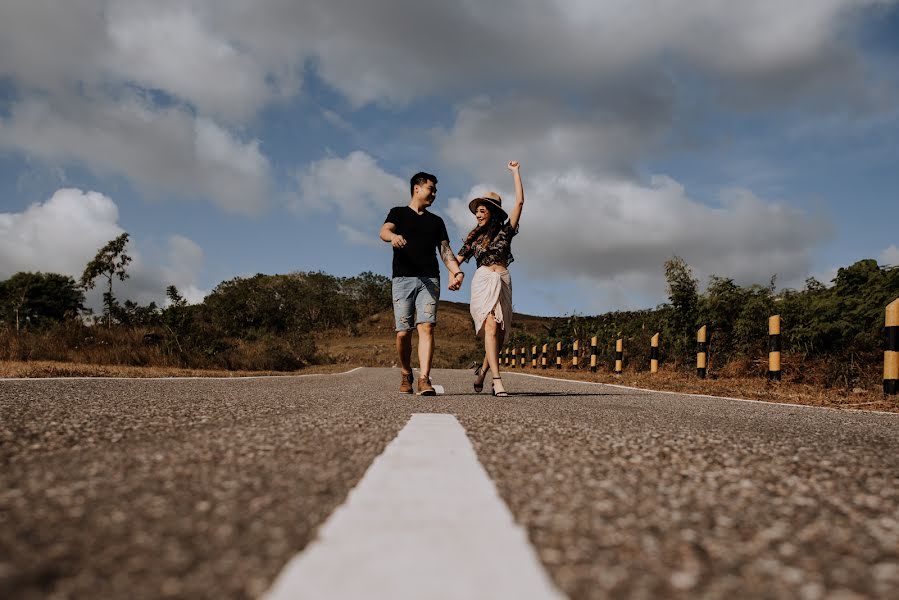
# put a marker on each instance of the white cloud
(131, 89)
(186, 260)
(890, 256)
(64, 233)
(355, 186)
(172, 47)
(232, 57)
(597, 82)
(47, 45)
(359, 237)
(618, 233)
(542, 133)
(396, 51)
(166, 150)
(60, 235)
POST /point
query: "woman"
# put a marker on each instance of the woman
(491, 288)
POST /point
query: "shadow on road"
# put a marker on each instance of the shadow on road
(536, 394)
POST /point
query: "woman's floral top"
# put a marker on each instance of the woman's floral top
(487, 251)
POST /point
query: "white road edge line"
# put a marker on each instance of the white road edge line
(425, 521)
(626, 387)
(237, 378)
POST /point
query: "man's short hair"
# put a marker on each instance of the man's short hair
(420, 178)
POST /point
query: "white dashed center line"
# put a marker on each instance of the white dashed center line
(424, 522)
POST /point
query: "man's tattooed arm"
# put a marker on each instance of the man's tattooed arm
(449, 259)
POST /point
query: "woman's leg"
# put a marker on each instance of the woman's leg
(485, 368)
(491, 347)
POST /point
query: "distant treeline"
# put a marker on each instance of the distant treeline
(839, 328)
(264, 322)
(267, 322)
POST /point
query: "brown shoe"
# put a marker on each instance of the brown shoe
(425, 388)
(406, 385)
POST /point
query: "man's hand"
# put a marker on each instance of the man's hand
(456, 281)
(398, 241)
(513, 165)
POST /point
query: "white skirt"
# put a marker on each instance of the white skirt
(491, 292)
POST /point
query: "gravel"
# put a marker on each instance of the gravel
(205, 488)
(181, 488)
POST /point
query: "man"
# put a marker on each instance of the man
(415, 235)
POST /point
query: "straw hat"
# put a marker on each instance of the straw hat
(492, 200)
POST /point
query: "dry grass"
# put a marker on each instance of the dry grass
(373, 343)
(46, 368)
(736, 386)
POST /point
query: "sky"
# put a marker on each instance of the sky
(229, 138)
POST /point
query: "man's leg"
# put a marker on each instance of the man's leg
(404, 351)
(425, 348)
(426, 319)
(404, 316)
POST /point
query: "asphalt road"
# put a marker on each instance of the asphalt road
(206, 488)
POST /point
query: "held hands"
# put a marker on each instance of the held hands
(456, 281)
(513, 165)
(398, 241)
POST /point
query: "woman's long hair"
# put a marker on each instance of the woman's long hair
(482, 235)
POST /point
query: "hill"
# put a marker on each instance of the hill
(372, 342)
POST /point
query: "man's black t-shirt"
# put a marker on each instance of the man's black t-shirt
(423, 232)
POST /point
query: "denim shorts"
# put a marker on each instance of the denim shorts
(415, 301)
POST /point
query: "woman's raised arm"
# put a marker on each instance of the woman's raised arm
(519, 194)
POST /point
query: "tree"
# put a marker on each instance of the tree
(370, 292)
(175, 297)
(720, 308)
(132, 314)
(684, 297)
(110, 262)
(39, 299)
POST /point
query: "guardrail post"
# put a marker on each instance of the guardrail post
(534, 357)
(619, 356)
(558, 355)
(891, 350)
(774, 373)
(575, 354)
(543, 356)
(702, 350)
(654, 354)
(523, 357)
(593, 354)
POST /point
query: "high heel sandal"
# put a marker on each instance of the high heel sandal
(478, 387)
(501, 394)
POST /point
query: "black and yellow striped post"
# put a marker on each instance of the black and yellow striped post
(702, 351)
(593, 354)
(575, 354)
(514, 358)
(534, 357)
(619, 356)
(558, 355)
(654, 354)
(523, 357)
(543, 356)
(891, 350)
(774, 348)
